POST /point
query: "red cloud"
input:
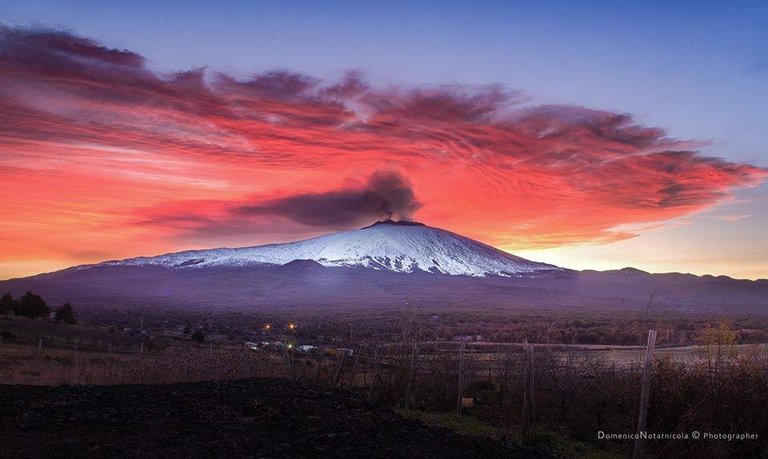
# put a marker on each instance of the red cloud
(93, 142)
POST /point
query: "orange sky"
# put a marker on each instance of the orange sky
(102, 158)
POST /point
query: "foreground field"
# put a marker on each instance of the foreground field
(577, 392)
(243, 418)
(442, 368)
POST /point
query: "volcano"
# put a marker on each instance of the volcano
(381, 265)
(398, 246)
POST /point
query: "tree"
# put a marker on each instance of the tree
(65, 313)
(410, 326)
(718, 343)
(7, 304)
(652, 302)
(32, 305)
(198, 336)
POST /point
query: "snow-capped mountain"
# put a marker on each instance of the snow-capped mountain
(385, 245)
(362, 268)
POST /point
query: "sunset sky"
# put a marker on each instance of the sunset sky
(584, 134)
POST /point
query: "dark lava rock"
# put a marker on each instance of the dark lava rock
(247, 418)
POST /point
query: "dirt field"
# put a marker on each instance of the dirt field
(244, 418)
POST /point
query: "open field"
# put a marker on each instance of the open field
(578, 391)
(709, 374)
(28, 364)
(246, 418)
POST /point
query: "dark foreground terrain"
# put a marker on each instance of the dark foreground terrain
(246, 418)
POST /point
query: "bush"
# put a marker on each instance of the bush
(464, 425)
(5, 335)
(198, 336)
(7, 304)
(540, 437)
(486, 386)
(65, 313)
(31, 305)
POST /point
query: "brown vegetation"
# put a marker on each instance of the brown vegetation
(717, 387)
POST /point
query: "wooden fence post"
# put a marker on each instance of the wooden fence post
(304, 369)
(291, 371)
(337, 376)
(109, 347)
(645, 395)
(528, 373)
(354, 369)
(460, 391)
(40, 348)
(376, 370)
(411, 374)
(320, 364)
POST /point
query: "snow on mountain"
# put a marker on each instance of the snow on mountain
(385, 245)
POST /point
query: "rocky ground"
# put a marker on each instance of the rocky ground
(247, 418)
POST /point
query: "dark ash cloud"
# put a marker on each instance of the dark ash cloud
(386, 194)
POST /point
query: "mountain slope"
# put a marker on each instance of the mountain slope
(307, 284)
(386, 245)
(365, 268)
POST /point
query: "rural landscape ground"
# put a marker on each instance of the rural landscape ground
(394, 383)
(242, 418)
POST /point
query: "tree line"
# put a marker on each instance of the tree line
(32, 306)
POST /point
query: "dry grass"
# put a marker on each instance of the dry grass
(21, 365)
(576, 393)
